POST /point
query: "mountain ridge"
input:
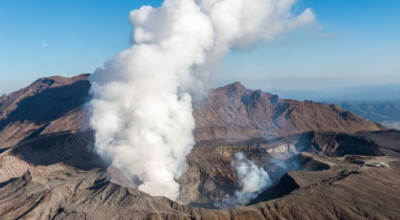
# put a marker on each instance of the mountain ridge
(49, 168)
(229, 112)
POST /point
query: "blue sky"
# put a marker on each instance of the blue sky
(354, 42)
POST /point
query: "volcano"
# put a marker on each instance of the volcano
(333, 164)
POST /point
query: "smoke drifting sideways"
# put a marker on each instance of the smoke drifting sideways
(141, 106)
(252, 178)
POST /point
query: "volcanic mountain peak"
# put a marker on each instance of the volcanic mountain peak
(61, 80)
(9, 102)
(234, 88)
(234, 112)
(55, 104)
(49, 104)
(47, 149)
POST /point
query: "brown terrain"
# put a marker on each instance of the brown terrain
(233, 112)
(333, 163)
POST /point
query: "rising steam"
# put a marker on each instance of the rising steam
(253, 180)
(141, 106)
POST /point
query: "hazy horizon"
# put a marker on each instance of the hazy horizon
(378, 92)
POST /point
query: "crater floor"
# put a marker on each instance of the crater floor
(70, 182)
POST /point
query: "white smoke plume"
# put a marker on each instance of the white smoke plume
(252, 179)
(141, 106)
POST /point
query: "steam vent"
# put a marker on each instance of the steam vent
(309, 130)
(254, 157)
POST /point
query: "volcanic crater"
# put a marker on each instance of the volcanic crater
(324, 162)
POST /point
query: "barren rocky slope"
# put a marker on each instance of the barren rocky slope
(48, 105)
(56, 104)
(332, 163)
(234, 112)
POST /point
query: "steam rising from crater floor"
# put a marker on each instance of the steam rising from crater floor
(141, 106)
(252, 178)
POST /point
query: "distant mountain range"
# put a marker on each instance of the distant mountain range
(386, 113)
(367, 93)
(378, 103)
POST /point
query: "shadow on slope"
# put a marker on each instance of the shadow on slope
(48, 105)
(74, 149)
